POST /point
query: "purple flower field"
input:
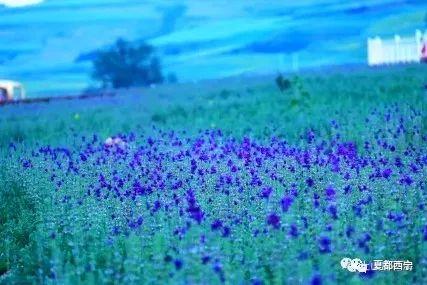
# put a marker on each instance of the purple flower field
(176, 207)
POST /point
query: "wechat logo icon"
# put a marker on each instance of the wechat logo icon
(354, 265)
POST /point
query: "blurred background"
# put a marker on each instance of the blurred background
(51, 46)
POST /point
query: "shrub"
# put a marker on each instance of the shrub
(282, 83)
(172, 78)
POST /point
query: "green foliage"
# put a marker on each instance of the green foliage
(125, 64)
(18, 218)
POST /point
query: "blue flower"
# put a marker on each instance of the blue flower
(363, 240)
(316, 280)
(257, 281)
(333, 211)
(193, 209)
(266, 192)
(330, 193)
(286, 203)
(206, 259)
(156, 206)
(386, 173)
(406, 179)
(325, 244)
(178, 264)
(226, 231)
(27, 164)
(316, 202)
(357, 209)
(195, 213)
(367, 275)
(273, 220)
(217, 224)
(136, 223)
(398, 162)
(349, 231)
(347, 189)
(425, 233)
(217, 267)
(293, 231)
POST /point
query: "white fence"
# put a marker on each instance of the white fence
(396, 50)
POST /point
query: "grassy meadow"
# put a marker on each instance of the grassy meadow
(228, 181)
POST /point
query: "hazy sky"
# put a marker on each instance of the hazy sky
(20, 3)
(48, 45)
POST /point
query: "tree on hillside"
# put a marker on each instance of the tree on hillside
(125, 64)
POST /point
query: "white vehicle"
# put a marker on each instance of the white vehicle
(11, 90)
